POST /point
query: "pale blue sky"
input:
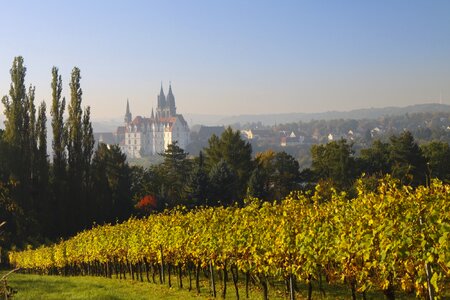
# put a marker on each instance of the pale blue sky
(234, 57)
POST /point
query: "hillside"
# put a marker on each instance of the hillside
(357, 114)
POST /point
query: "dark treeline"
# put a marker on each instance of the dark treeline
(225, 170)
(45, 197)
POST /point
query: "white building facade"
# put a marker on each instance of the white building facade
(149, 136)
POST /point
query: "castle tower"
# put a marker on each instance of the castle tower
(127, 118)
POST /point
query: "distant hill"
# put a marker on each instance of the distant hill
(110, 125)
(106, 125)
(203, 119)
(366, 113)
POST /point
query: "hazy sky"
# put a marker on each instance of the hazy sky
(233, 57)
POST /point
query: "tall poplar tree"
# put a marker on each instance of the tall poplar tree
(58, 175)
(16, 125)
(29, 133)
(88, 143)
(87, 152)
(75, 155)
(20, 139)
(14, 104)
(57, 113)
(17, 133)
(74, 125)
(44, 206)
(41, 134)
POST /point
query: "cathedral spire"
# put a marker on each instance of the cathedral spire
(127, 118)
(153, 114)
(171, 102)
(161, 99)
(161, 92)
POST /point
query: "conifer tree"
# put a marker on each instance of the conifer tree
(223, 183)
(437, 155)
(286, 176)
(111, 177)
(407, 160)
(257, 184)
(334, 161)
(236, 152)
(375, 160)
(174, 171)
(197, 186)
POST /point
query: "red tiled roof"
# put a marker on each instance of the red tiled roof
(168, 120)
(137, 121)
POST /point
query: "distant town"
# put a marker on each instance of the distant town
(142, 138)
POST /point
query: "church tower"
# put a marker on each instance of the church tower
(160, 113)
(171, 102)
(127, 118)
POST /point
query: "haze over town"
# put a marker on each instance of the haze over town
(234, 57)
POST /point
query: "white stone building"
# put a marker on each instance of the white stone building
(149, 136)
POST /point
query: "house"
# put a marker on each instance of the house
(292, 139)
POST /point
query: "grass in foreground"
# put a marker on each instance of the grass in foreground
(58, 287)
(87, 287)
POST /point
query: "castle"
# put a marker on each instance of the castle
(149, 136)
